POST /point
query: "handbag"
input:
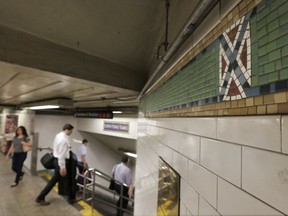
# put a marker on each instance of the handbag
(112, 184)
(112, 181)
(26, 148)
(48, 161)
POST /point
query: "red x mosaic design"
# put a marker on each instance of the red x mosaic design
(235, 60)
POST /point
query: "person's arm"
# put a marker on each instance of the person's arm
(11, 149)
(83, 157)
(62, 150)
(130, 191)
(27, 142)
(130, 185)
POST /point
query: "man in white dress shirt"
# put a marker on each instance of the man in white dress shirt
(61, 148)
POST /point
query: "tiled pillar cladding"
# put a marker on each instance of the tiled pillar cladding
(232, 156)
(228, 165)
(245, 57)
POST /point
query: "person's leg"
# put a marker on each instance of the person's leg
(126, 197)
(118, 190)
(122, 201)
(14, 162)
(51, 183)
(71, 177)
(81, 172)
(20, 161)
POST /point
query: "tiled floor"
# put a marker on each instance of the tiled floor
(20, 200)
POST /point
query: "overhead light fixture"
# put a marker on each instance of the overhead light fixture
(131, 154)
(117, 112)
(43, 107)
(77, 141)
(49, 104)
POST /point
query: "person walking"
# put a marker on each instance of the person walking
(123, 176)
(20, 139)
(61, 153)
(82, 160)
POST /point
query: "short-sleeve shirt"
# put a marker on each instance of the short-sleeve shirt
(17, 143)
(122, 173)
(82, 150)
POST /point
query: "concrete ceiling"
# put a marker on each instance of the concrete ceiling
(95, 52)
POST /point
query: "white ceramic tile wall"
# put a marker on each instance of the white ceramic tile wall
(233, 201)
(189, 197)
(189, 146)
(222, 158)
(204, 182)
(172, 139)
(205, 127)
(183, 210)
(205, 209)
(265, 175)
(180, 124)
(183, 141)
(166, 153)
(163, 135)
(285, 134)
(180, 164)
(257, 131)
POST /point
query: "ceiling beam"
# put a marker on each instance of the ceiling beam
(27, 50)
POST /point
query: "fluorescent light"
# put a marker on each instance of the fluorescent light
(131, 154)
(44, 107)
(117, 111)
(77, 141)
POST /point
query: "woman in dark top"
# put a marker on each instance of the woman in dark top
(21, 138)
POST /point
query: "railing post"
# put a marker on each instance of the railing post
(84, 184)
(93, 195)
(121, 198)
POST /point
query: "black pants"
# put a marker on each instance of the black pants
(124, 200)
(17, 164)
(81, 171)
(56, 178)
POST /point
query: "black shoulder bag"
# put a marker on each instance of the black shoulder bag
(112, 181)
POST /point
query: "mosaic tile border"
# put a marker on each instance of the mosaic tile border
(269, 104)
(279, 86)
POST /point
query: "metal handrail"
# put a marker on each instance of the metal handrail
(93, 185)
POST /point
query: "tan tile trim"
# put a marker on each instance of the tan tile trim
(276, 103)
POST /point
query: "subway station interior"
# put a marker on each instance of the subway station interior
(195, 92)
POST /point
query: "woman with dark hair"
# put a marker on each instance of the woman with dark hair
(21, 138)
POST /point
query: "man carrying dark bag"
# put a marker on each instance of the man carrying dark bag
(63, 168)
(123, 184)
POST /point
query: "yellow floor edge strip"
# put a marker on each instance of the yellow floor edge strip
(86, 211)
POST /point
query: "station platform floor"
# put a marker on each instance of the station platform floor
(20, 200)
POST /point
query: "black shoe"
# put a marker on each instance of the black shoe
(21, 177)
(42, 202)
(14, 184)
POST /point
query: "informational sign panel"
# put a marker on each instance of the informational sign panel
(122, 127)
(103, 115)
